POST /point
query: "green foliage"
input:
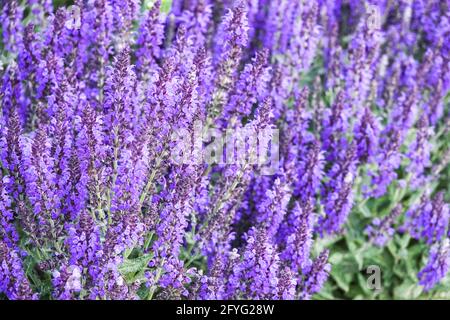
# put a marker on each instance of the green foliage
(399, 262)
(402, 258)
(134, 269)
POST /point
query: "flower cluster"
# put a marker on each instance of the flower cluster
(92, 205)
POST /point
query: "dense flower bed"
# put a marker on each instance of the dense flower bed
(345, 101)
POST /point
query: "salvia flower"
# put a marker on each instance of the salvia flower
(13, 281)
(250, 87)
(429, 219)
(380, 231)
(132, 135)
(299, 238)
(366, 132)
(310, 172)
(316, 275)
(437, 266)
(419, 152)
(232, 37)
(363, 54)
(257, 273)
(273, 206)
(337, 193)
(150, 39)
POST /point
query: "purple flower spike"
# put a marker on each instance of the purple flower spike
(316, 275)
(382, 230)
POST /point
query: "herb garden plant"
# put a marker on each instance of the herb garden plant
(119, 180)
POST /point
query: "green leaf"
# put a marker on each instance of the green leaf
(365, 211)
(336, 258)
(166, 5)
(403, 240)
(132, 269)
(325, 293)
(362, 281)
(359, 258)
(343, 273)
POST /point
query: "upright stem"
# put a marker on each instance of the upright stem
(114, 174)
(157, 277)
